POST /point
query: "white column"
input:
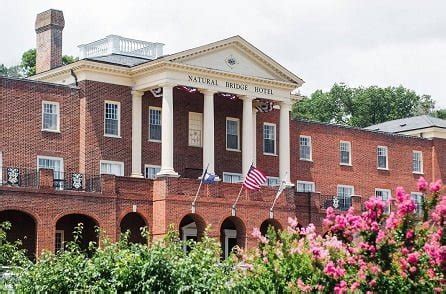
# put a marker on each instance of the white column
(136, 133)
(208, 131)
(254, 136)
(247, 140)
(284, 141)
(167, 133)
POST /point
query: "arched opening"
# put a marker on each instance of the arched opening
(232, 233)
(133, 223)
(273, 223)
(66, 225)
(23, 228)
(192, 227)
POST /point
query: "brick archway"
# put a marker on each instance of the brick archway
(232, 233)
(66, 225)
(270, 223)
(133, 223)
(192, 226)
(23, 228)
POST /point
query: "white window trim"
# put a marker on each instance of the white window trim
(270, 177)
(387, 158)
(275, 139)
(112, 162)
(229, 234)
(349, 143)
(57, 130)
(148, 166)
(238, 133)
(161, 118)
(390, 197)
(305, 183)
(51, 158)
(188, 129)
(232, 174)
(119, 118)
(311, 148)
(346, 186)
(421, 172)
(419, 194)
(62, 240)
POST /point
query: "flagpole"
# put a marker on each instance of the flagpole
(236, 200)
(279, 192)
(199, 187)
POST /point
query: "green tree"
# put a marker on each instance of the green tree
(361, 107)
(440, 113)
(28, 63)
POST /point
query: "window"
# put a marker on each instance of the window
(384, 195)
(112, 115)
(382, 160)
(232, 134)
(304, 186)
(54, 163)
(344, 196)
(345, 153)
(50, 116)
(155, 124)
(272, 181)
(150, 171)
(417, 162)
(269, 138)
(112, 168)
(195, 129)
(59, 240)
(305, 148)
(232, 178)
(418, 199)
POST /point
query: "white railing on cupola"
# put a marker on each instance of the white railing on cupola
(114, 44)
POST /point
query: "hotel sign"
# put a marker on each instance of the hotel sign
(229, 85)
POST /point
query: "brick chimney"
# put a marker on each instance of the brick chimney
(49, 26)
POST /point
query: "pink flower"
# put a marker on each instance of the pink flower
(422, 184)
(341, 288)
(302, 286)
(412, 258)
(258, 235)
(400, 194)
(435, 187)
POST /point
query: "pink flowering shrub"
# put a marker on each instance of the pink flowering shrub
(402, 252)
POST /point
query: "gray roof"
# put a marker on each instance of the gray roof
(408, 124)
(119, 59)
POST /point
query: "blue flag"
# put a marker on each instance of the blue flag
(208, 178)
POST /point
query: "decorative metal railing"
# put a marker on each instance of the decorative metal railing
(335, 201)
(19, 177)
(76, 181)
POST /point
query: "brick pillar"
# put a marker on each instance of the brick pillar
(108, 184)
(160, 225)
(49, 25)
(46, 178)
(357, 203)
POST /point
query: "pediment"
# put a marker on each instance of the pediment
(237, 56)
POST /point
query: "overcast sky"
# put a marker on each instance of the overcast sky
(357, 42)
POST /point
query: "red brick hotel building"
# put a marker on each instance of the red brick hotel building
(118, 139)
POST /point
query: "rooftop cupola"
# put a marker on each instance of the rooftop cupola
(114, 44)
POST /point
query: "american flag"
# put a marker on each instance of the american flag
(254, 179)
(265, 106)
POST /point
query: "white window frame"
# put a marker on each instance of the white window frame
(387, 208)
(349, 143)
(51, 158)
(345, 186)
(112, 162)
(305, 183)
(238, 133)
(232, 174)
(161, 123)
(150, 166)
(310, 144)
(275, 138)
(418, 209)
(201, 129)
(62, 241)
(272, 178)
(229, 234)
(119, 118)
(387, 158)
(57, 130)
(421, 171)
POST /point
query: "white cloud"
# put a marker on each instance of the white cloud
(357, 42)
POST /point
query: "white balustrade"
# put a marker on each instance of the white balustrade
(114, 44)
